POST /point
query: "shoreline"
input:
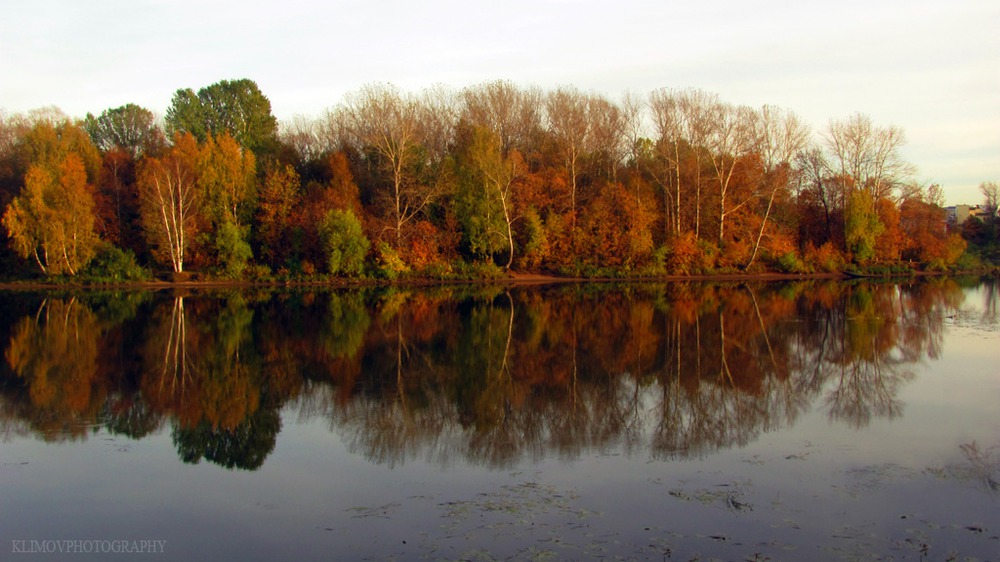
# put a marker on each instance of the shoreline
(511, 278)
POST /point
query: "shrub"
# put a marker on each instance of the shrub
(659, 260)
(305, 268)
(477, 270)
(234, 250)
(536, 243)
(681, 255)
(258, 272)
(344, 242)
(390, 265)
(789, 262)
(438, 271)
(708, 257)
(114, 264)
(422, 246)
(825, 258)
(969, 261)
(734, 254)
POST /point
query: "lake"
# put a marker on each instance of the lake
(818, 420)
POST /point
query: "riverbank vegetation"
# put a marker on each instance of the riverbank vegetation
(466, 184)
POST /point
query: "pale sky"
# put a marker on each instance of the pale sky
(930, 67)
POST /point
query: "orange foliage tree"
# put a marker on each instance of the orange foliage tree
(169, 200)
(52, 220)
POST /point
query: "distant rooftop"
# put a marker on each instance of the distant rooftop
(958, 214)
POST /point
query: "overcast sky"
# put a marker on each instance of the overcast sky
(930, 67)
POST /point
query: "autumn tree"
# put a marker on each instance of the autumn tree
(227, 179)
(279, 194)
(892, 239)
(615, 230)
(42, 138)
(863, 226)
(923, 221)
(170, 196)
(48, 137)
(116, 200)
(338, 184)
(52, 220)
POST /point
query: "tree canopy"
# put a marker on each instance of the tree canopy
(493, 176)
(130, 128)
(236, 107)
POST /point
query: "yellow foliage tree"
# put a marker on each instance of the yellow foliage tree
(52, 220)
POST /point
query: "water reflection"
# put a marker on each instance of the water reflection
(489, 375)
(54, 355)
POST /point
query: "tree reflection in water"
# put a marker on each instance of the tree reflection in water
(53, 355)
(490, 375)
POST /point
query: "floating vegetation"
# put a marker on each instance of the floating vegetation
(382, 511)
(728, 496)
(980, 465)
(527, 520)
(867, 479)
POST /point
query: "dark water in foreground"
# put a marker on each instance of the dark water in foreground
(812, 421)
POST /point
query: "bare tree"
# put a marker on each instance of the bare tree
(669, 122)
(437, 114)
(633, 134)
(632, 106)
(729, 141)
(606, 141)
(780, 136)
(382, 119)
(305, 136)
(513, 114)
(566, 113)
(697, 109)
(682, 118)
(991, 197)
(816, 183)
(8, 133)
(867, 157)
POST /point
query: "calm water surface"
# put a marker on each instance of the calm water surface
(810, 421)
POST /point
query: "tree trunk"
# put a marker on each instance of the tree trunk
(763, 223)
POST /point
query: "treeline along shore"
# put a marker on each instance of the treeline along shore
(491, 181)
